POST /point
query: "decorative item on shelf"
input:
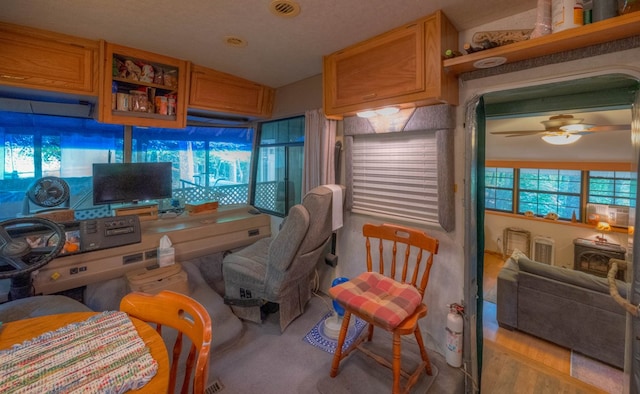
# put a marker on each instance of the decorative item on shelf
(603, 9)
(501, 37)
(629, 6)
(603, 227)
(551, 216)
(201, 207)
(566, 14)
(543, 19)
(451, 53)
(529, 214)
(573, 217)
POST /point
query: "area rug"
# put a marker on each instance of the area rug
(360, 374)
(596, 373)
(491, 294)
(316, 337)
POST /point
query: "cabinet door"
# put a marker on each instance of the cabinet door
(402, 67)
(386, 66)
(220, 92)
(49, 61)
(129, 71)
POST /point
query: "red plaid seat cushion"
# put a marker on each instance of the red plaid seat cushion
(383, 299)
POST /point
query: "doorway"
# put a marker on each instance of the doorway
(603, 98)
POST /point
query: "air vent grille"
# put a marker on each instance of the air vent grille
(235, 41)
(284, 8)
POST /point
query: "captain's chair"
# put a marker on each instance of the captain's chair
(280, 269)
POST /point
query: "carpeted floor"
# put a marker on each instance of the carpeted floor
(355, 375)
(596, 373)
(266, 361)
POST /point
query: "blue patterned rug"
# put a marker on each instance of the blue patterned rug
(316, 337)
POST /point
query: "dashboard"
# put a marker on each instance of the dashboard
(108, 248)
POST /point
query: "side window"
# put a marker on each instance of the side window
(279, 164)
(36, 146)
(209, 163)
(543, 191)
(498, 192)
(612, 188)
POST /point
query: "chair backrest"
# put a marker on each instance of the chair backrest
(410, 250)
(305, 229)
(305, 233)
(318, 202)
(185, 315)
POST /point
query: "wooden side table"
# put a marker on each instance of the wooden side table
(593, 257)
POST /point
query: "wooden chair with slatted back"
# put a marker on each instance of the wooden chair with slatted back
(389, 296)
(188, 317)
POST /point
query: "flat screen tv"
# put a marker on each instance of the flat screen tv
(130, 183)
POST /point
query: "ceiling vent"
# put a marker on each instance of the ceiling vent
(235, 41)
(284, 8)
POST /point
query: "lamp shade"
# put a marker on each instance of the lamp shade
(561, 139)
(603, 226)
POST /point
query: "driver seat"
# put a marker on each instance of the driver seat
(279, 269)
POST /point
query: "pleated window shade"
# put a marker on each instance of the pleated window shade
(395, 175)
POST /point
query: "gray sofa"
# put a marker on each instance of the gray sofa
(570, 308)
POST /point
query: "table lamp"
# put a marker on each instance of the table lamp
(603, 227)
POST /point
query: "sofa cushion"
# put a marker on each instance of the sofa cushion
(577, 278)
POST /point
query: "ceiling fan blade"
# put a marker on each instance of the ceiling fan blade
(519, 132)
(609, 127)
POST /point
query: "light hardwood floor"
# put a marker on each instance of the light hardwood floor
(519, 361)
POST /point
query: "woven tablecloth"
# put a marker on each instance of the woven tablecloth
(103, 354)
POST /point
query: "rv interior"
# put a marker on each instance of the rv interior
(279, 49)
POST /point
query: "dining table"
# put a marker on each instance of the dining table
(97, 366)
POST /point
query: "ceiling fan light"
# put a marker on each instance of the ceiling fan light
(561, 139)
(577, 127)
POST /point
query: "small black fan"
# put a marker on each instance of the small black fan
(48, 192)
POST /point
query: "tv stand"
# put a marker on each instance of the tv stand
(144, 212)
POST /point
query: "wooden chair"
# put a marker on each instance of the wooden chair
(187, 316)
(390, 297)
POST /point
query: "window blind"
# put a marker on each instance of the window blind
(395, 175)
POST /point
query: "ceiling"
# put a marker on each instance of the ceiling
(283, 50)
(597, 100)
(279, 51)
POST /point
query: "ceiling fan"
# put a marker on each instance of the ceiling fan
(563, 129)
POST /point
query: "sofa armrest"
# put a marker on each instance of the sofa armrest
(507, 295)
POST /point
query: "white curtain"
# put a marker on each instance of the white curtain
(319, 143)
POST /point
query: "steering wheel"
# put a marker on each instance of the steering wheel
(27, 244)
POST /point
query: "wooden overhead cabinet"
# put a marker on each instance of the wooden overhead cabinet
(38, 59)
(216, 91)
(141, 88)
(400, 67)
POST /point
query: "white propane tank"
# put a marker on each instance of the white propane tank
(454, 336)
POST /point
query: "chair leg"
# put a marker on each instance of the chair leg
(370, 333)
(341, 337)
(396, 363)
(423, 351)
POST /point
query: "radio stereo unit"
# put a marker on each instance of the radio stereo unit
(102, 233)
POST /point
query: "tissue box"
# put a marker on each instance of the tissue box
(153, 280)
(166, 256)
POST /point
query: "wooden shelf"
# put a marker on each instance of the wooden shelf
(170, 89)
(110, 55)
(611, 29)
